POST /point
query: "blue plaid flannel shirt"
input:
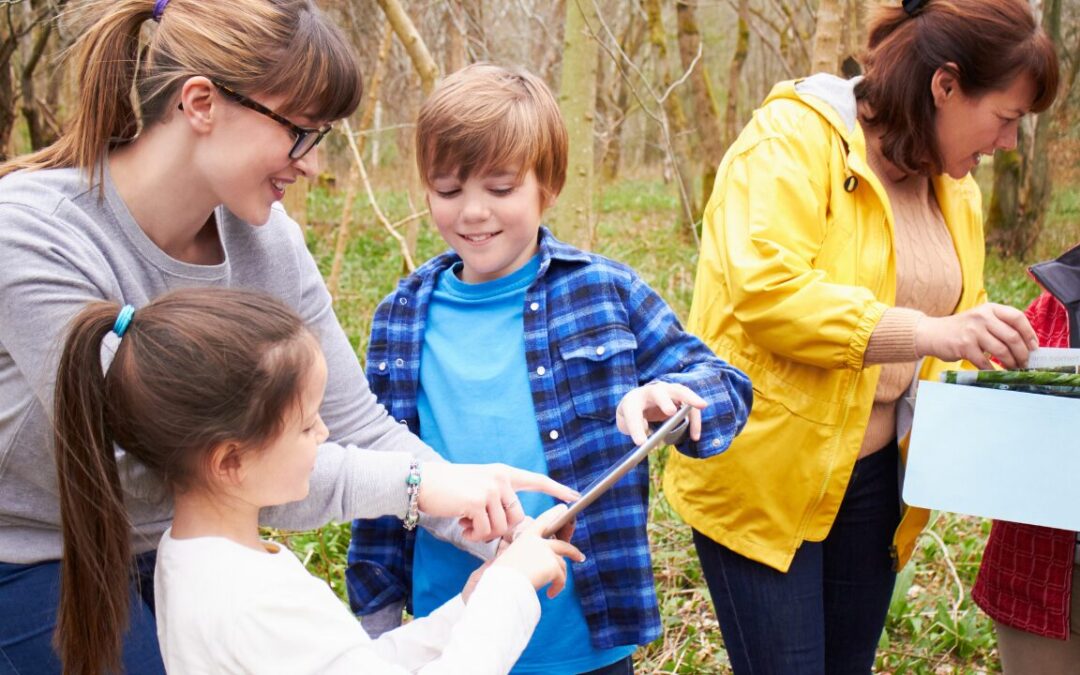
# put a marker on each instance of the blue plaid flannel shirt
(578, 303)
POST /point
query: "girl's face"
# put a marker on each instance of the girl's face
(278, 473)
(969, 127)
(248, 165)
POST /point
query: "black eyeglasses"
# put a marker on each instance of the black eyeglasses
(306, 137)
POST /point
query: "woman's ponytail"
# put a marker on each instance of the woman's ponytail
(285, 48)
(96, 564)
(108, 58)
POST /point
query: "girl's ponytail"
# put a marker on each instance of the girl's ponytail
(108, 57)
(95, 570)
(196, 368)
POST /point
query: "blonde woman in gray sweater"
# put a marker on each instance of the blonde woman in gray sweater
(180, 189)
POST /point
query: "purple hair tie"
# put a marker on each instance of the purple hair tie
(159, 9)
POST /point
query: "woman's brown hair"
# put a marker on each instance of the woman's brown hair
(195, 369)
(991, 42)
(283, 48)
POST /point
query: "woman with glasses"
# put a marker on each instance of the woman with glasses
(183, 141)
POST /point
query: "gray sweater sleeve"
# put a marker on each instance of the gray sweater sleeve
(61, 248)
(354, 417)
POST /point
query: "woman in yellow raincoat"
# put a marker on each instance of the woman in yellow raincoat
(842, 259)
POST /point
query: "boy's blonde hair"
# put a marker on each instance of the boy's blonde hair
(484, 118)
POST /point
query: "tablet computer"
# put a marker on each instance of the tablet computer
(669, 433)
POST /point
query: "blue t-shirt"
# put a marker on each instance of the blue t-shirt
(475, 406)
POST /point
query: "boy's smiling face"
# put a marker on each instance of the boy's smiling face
(491, 220)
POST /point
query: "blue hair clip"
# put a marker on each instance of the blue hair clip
(123, 320)
(912, 6)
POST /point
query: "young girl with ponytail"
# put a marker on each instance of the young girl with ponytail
(192, 119)
(216, 393)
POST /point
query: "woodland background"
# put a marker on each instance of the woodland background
(653, 92)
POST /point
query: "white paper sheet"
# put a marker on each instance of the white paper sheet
(997, 454)
(1053, 357)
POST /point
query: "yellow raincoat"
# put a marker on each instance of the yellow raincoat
(797, 266)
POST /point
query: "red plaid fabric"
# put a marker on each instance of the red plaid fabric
(1025, 580)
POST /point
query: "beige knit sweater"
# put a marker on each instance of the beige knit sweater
(928, 282)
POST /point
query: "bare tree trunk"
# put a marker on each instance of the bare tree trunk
(738, 59)
(854, 32)
(413, 43)
(296, 199)
(826, 54)
(1022, 182)
(674, 114)
(466, 42)
(20, 19)
(1037, 183)
(1003, 218)
(706, 112)
(577, 99)
(41, 134)
(428, 72)
(367, 116)
(7, 107)
(548, 57)
(472, 14)
(629, 44)
(456, 57)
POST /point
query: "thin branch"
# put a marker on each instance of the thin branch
(388, 127)
(789, 14)
(661, 117)
(347, 129)
(49, 117)
(952, 569)
(333, 280)
(685, 75)
(775, 50)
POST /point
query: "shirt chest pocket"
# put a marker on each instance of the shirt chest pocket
(600, 369)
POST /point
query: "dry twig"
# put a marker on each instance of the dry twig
(362, 171)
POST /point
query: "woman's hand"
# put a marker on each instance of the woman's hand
(482, 496)
(989, 330)
(540, 560)
(655, 402)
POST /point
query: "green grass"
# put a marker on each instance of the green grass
(932, 627)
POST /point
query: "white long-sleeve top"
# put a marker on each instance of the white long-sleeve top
(226, 608)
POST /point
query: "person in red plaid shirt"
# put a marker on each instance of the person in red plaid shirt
(1025, 582)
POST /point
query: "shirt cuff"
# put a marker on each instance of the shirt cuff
(893, 338)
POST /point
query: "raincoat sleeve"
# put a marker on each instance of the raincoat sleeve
(763, 227)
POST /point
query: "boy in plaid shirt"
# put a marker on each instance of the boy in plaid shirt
(517, 348)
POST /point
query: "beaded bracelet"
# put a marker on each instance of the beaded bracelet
(412, 488)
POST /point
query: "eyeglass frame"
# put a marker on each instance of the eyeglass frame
(300, 132)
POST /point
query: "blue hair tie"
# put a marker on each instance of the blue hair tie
(123, 320)
(159, 9)
(910, 6)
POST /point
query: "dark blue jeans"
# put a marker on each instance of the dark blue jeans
(826, 614)
(29, 596)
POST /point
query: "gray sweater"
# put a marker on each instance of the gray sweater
(62, 246)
